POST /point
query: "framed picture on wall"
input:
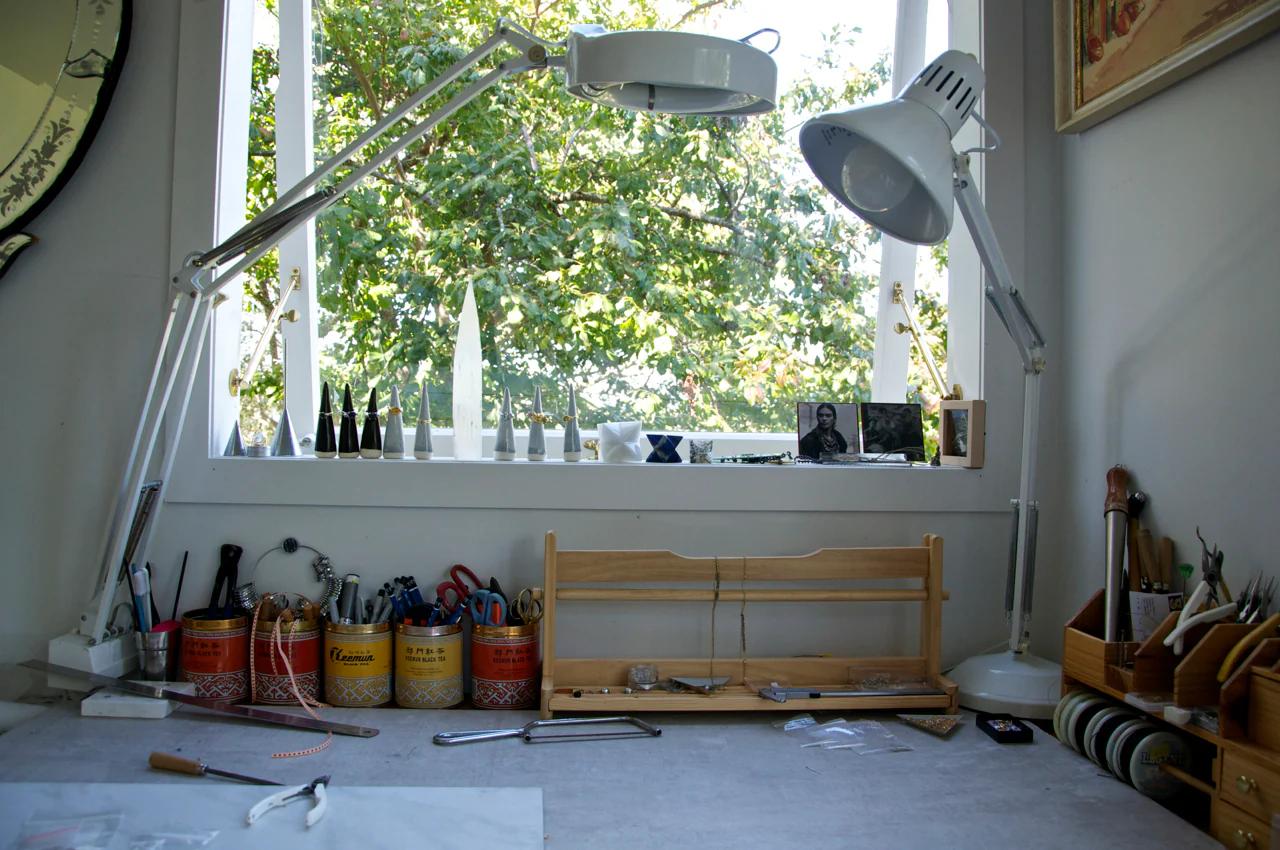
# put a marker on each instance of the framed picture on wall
(1111, 54)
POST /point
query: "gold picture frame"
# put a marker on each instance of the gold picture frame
(1112, 54)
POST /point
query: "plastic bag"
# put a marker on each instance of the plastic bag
(864, 737)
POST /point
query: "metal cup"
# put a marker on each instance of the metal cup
(157, 655)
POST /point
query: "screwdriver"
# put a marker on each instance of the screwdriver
(177, 764)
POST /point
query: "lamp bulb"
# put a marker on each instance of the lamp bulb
(873, 179)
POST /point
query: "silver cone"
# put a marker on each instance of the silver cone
(422, 448)
(235, 445)
(284, 444)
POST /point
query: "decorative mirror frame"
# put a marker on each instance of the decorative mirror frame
(96, 50)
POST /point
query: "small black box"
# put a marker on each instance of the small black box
(1005, 728)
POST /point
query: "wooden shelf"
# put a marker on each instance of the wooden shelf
(567, 570)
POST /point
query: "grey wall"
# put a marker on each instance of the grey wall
(1171, 304)
(80, 316)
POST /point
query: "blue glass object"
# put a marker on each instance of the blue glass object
(664, 448)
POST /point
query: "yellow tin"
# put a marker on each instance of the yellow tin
(357, 664)
(428, 666)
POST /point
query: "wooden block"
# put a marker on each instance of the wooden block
(109, 703)
(1264, 708)
(1233, 707)
(1153, 662)
(1195, 679)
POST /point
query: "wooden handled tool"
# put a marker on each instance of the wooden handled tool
(1137, 501)
(1147, 556)
(177, 764)
(1166, 565)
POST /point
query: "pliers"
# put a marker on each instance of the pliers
(1206, 591)
(314, 788)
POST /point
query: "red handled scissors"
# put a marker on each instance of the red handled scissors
(461, 584)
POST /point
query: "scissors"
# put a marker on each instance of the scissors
(461, 583)
(487, 608)
(528, 607)
(315, 788)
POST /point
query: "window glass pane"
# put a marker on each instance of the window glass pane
(686, 272)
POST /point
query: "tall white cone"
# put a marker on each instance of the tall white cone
(393, 438)
(504, 447)
(468, 383)
(537, 436)
(572, 436)
(422, 448)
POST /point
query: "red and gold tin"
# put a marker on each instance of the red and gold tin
(357, 664)
(300, 643)
(428, 666)
(215, 655)
(505, 663)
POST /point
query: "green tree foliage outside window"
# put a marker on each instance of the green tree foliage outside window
(683, 271)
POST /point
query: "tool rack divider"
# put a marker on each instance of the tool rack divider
(576, 684)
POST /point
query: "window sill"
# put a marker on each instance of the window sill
(587, 485)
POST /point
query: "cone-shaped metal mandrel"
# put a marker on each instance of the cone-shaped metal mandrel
(349, 435)
(235, 445)
(572, 436)
(326, 442)
(504, 445)
(284, 444)
(422, 448)
(371, 437)
(393, 440)
(537, 435)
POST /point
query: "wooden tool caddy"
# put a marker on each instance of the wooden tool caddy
(573, 576)
(1239, 770)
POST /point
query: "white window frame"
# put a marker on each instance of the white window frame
(203, 476)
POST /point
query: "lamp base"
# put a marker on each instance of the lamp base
(112, 657)
(1020, 684)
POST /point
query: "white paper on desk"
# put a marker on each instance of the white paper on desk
(358, 816)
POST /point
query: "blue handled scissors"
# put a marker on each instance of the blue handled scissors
(487, 608)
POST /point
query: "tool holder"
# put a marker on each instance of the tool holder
(597, 684)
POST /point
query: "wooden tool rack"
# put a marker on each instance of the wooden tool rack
(573, 576)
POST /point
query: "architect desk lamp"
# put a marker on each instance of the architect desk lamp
(643, 71)
(893, 164)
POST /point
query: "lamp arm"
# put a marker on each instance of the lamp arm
(1017, 320)
(198, 280)
(505, 32)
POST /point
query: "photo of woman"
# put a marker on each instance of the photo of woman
(819, 426)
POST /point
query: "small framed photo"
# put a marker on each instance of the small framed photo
(826, 429)
(892, 429)
(962, 433)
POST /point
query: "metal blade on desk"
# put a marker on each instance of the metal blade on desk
(278, 718)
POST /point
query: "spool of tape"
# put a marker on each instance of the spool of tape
(1066, 706)
(1149, 752)
(1079, 721)
(1099, 731)
(1113, 742)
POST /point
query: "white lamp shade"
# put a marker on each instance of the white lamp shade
(890, 163)
(673, 72)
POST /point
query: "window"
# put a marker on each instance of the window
(688, 273)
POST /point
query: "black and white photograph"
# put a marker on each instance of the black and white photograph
(826, 428)
(892, 429)
(955, 431)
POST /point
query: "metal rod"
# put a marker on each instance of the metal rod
(262, 715)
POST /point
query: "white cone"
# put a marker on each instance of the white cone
(468, 383)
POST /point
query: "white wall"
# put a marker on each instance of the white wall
(79, 320)
(1171, 305)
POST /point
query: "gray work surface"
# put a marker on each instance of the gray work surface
(710, 780)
